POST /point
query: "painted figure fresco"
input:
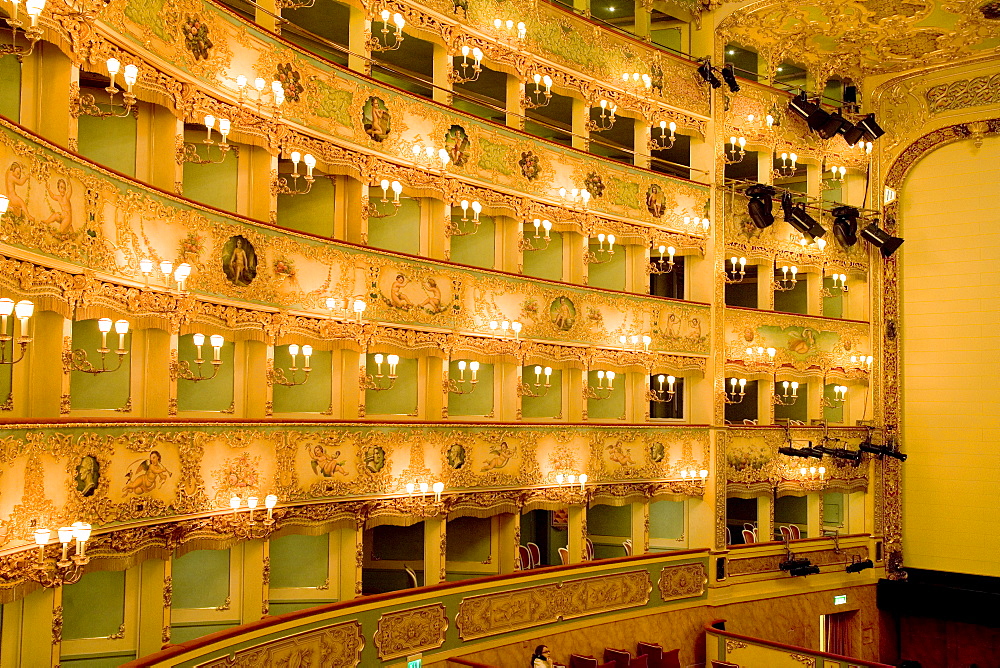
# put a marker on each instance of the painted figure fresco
(145, 475)
(617, 454)
(656, 201)
(374, 457)
(376, 119)
(562, 313)
(62, 212)
(456, 456)
(456, 142)
(88, 475)
(657, 452)
(325, 464)
(239, 261)
(426, 294)
(500, 455)
(16, 176)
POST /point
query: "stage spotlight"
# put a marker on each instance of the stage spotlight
(796, 216)
(871, 129)
(830, 126)
(853, 134)
(806, 452)
(814, 117)
(705, 72)
(792, 564)
(729, 74)
(858, 566)
(895, 454)
(882, 451)
(853, 456)
(867, 446)
(805, 570)
(760, 205)
(845, 225)
(885, 242)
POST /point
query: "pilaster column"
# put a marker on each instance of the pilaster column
(253, 186)
(574, 404)
(765, 167)
(765, 517)
(266, 14)
(252, 380)
(703, 513)
(582, 6)
(641, 128)
(575, 269)
(577, 533)
(154, 605)
(506, 399)
(765, 286)
(41, 611)
(515, 102)
(435, 549)
(640, 527)
(359, 58)
(814, 517)
(256, 580)
(580, 117)
(643, 19)
(45, 98)
(442, 66)
(355, 222)
(351, 559)
(37, 382)
(438, 244)
(507, 525)
(437, 390)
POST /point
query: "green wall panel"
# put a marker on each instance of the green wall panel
(281, 607)
(313, 396)
(401, 399)
(610, 274)
(550, 404)
(833, 413)
(795, 300)
(94, 607)
(798, 410)
(213, 184)
(833, 509)
(206, 395)
(399, 543)
(604, 520)
(666, 519)
(545, 262)
(300, 561)
(791, 510)
(104, 390)
(613, 406)
(476, 403)
(10, 92)
(179, 634)
(102, 661)
(313, 212)
(833, 307)
(469, 539)
(109, 141)
(479, 249)
(201, 579)
(400, 232)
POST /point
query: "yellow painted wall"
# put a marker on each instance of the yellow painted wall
(950, 215)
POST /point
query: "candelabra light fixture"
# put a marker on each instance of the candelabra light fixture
(606, 120)
(250, 529)
(527, 244)
(818, 243)
(183, 368)
(861, 362)
(786, 282)
(189, 152)
(839, 396)
(694, 475)
(346, 309)
(663, 142)
(769, 120)
(789, 394)
(788, 166)
(812, 472)
(33, 8)
(418, 491)
(289, 185)
(601, 391)
(278, 377)
(634, 341)
(372, 210)
(268, 98)
(602, 255)
(460, 228)
(837, 175)
(380, 381)
(179, 275)
(736, 391)
(637, 83)
(736, 151)
(760, 358)
(662, 266)
(661, 394)
(575, 197)
(572, 480)
(465, 71)
(426, 156)
(87, 105)
(510, 31)
(538, 388)
(77, 359)
(540, 95)
(696, 224)
(391, 40)
(463, 385)
(67, 569)
(839, 285)
(22, 311)
(736, 271)
(506, 328)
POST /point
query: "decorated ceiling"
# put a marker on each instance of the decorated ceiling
(865, 37)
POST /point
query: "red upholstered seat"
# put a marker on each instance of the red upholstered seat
(524, 556)
(639, 662)
(671, 659)
(619, 657)
(536, 555)
(609, 664)
(652, 652)
(578, 661)
(724, 664)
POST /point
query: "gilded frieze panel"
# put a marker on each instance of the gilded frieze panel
(335, 646)
(684, 581)
(736, 567)
(410, 631)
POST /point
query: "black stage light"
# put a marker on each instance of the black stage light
(882, 451)
(871, 129)
(805, 570)
(792, 452)
(801, 105)
(796, 216)
(853, 134)
(847, 455)
(850, 94)
(760, 205)
(858, 566)
(706, 73)
(895, 454)
(833, 124)
(866, 446)
(845, 225)
(729, 74)
(794, 563)
(885, 242)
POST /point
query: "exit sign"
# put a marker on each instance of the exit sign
(414, 661)
(837, 600)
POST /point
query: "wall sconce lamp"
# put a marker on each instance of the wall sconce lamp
(575, 197)
(662, 395)
(250, 530)
(788, 166)
(731, 395)
(634, 340)
(426, 156)
(862, 363)
(463, 385)
(769, 119)
(736, 151)
(281, 185)
(602, 391)
(379, 381)
(693, 475)
(32, 33)
(87, 105)
(387, 43)
(839, 284)
(418, 493)
(538, 388)
(345, 309)
(526, 244)
(789, 393)
(737, 270)
(663, 142)
(23, 311)
(636, 83)
(839, 396)
(662, 266)
(465, 71)
(509, 31)
(696, 224)
(503, 327)
(455, 229)
(572, 479)
(785, 283)
(77, 359)
(760, 358)
(602, 255)
(373, 211)
(183, 368)
(837, 176)
(606, 120)
(275, 92)
(278, 377)
(189, 151)
(540, 95)
(67, 569)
